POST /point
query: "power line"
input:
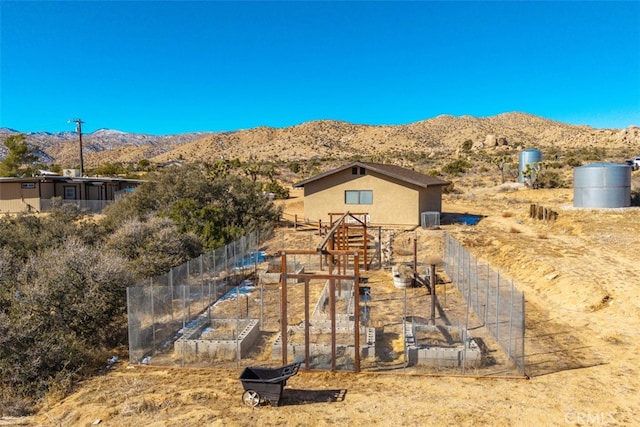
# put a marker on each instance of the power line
(79, 123)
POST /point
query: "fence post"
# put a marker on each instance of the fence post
(201, 262)
(171, 289)
(465, 343)
(476, 275)
(498, 307)
(486, 303)
(188, 305)
(153, 319)
(522, 368)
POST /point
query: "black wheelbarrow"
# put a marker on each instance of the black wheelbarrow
(265, 384)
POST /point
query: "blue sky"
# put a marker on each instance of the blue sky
(166, 67)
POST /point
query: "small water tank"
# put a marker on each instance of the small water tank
(602, 185)
(528, 157)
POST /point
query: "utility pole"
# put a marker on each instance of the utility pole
(79, 123)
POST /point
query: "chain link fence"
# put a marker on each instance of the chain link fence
(497, 304)
(225, 309)
(167, 309)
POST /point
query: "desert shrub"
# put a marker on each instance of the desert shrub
(279, 191)
(152, 247)
(467, 145)
(456, 167)
(24, 234)
(573, 162)
(217, 209)
(635, 198)
(593, 153)
(295, 167)
(549, 179)
(66, 305)
(449, 189)
(553, 165)
(111, 169)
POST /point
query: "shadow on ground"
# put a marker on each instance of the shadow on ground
(292, 396)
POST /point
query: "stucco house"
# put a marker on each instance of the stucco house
(389, 194)
(34, 194)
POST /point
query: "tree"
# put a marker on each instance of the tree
(218, 209)
(530, 174)
(19, 154)
(502, 162)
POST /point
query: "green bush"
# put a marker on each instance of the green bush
(456, 167)
(548, 179)
(278, 190)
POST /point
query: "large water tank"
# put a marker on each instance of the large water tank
(602, 185)
(528, 157)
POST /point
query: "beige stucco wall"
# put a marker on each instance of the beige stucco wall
(394, 202)
(14, 198)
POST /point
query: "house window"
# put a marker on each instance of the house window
(362, 171)
(354, 170)
(70, 193)
(358, 197)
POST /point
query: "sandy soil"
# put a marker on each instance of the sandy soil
(580, 279)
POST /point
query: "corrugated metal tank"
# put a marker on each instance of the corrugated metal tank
(528, 157)
(602, 185)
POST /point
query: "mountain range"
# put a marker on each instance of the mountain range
(328, 139)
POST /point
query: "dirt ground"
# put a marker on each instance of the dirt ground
(580, 278)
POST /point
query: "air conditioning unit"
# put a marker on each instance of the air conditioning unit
(430, 219)
(71, 173)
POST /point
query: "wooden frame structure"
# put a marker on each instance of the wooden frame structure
(338, 261)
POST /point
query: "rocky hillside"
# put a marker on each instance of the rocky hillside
(335, 139)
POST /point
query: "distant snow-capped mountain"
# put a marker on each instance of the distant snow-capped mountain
(53, 146)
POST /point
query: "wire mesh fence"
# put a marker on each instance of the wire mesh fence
(225, 309)
(164, 309)
(496, 303)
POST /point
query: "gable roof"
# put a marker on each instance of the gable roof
(392, 171)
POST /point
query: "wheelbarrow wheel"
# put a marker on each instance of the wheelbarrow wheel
(251, 398)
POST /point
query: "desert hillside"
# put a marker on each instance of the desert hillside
(330, 139)
(440, 135)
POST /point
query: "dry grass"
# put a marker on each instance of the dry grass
(579, 277)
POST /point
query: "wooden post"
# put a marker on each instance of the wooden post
(415, 262)
(432, 283)
(356, 309)
(332, 316)
(365, 239)
(306, 324)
